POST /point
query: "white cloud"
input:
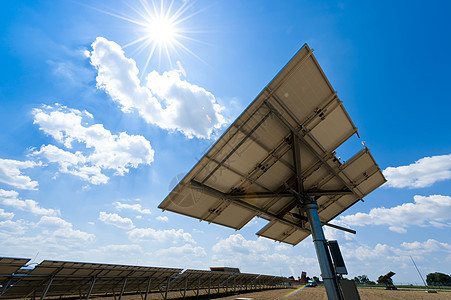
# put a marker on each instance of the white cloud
(427, 247)
(10, 227)
(257, 255)
(236, 243)
(120, 249)
(381, 258)
(10, 198)
(434, 211)
(169, 235)
(186, 250)
(162, 219)
(6, 215)
(135, 207)
(166, 101)
(102, 149)
(116, 220)
(52, 237)
(423, 173)
(60, 229)
(10, 173)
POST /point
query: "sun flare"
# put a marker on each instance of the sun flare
(162, 31)
(160, 28)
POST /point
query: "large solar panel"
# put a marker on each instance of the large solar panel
(252, 169)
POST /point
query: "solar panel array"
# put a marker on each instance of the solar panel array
(59, 278)
(287, 135)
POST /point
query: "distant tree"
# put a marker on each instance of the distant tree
(363, 279)
(438, 279)
(316, 279)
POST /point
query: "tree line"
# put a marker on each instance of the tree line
(432, 279)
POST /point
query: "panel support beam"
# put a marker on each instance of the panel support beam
(91, 287)
(327, 224)
(123, 288)
(297, 163)
(241, 203)
(290, 195)
(47, 287)
(305, 143)
(148, 287)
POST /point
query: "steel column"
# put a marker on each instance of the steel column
(167, 289)
(186, 285)
(47, 288)
(90, 288)
(148, 288)
(123, 288)
(327, 272)
(5, 287)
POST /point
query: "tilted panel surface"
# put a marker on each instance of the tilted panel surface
(289, 131)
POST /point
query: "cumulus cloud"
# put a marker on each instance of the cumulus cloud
(120, 249)
(60, 229)
(434, 210)
(166, 100)
(387, 256)
(169, 235)
(427, 247)
(6, 215)
(10, 198)
(257, 254)
(9, 227)
(423, 173)
(135, 207)
(10, 173)
(116, 220)
(102, 150)
(162, 219)
(374, 260)
(186, 250)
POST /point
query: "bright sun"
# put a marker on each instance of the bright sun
(162, 31)
(159, 24)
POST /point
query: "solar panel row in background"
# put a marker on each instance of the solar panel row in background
(58, 278)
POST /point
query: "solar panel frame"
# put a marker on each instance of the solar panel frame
(254, 155)
(74, 277)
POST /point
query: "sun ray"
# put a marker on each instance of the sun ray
(160, 28)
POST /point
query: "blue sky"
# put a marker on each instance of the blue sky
(93, 137)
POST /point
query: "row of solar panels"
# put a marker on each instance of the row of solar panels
(57, 278)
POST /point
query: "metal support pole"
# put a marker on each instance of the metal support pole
(123, 288)
(148, 288)
(167, 289)
(90, 288)
(6, 286)
(46, 288)
(327, 272)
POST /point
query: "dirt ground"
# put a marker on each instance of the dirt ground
(365, 294)
(312, 293)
